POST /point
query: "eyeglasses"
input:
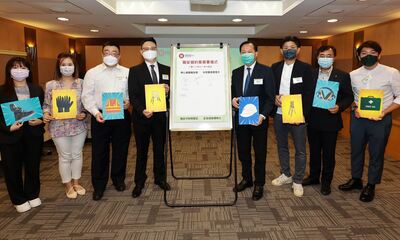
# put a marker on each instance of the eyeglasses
(149, 48)
(114, 54)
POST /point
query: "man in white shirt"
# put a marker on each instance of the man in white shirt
(374, 131)
(107, 77)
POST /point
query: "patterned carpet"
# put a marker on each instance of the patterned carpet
(279, 215)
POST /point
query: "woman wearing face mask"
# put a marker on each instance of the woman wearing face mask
(21, 143)
(68, 134)
(324, 124)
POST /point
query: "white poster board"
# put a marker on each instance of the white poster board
(200, 88)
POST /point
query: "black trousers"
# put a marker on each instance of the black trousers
(375, 134)
(155, 129)
(245, 135)
(18, 158)
(322, 146)
(118, 133)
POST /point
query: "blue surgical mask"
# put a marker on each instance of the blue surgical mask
(325, 62)
(247, 58)
(289, 54)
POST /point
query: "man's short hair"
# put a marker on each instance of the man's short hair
(111, 43)
(150, 39)
(294, 39)
(369, 44)
(326, 48)
(248, 42)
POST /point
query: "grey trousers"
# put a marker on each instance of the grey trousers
(298, 133)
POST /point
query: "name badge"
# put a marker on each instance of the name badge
(297, 80)
(258, 81)
(165, 77)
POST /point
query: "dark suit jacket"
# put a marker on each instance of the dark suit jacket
(7, 137)
(265, 91)
(300, 69)
(322, 119)
(139, 75)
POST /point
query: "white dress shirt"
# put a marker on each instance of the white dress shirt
(102, 79)
(324, 75)
(155, 69)
(284, 88)
(246, 72)
(382, 77)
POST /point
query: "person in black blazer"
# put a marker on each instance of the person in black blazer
(146, 123)
(324, 124)
(292, 77)
(21, 143)
(253, 79)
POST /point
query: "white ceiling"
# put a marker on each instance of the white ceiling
(261, 19)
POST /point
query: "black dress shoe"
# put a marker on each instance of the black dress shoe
(120, 187)
(310, 181)
(351, 184)
(97, 195)
(257, 193)
(325, 189)
(137, 191)
(242, 186)
(163, 185)
(368, 193)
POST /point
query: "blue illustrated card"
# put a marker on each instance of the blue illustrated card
(248, 110)
(113, 105)
(21, 111)
(325, 95)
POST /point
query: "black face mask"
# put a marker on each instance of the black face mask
(369, 60)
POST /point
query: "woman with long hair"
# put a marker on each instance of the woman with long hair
(21, 144)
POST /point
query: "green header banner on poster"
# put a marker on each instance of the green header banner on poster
(200, 88)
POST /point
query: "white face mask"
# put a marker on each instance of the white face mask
(149, 55)
(110, 60)
(19, 74)
(67, 70)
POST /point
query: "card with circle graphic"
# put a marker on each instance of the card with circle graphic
(325, 94)
(248, 110)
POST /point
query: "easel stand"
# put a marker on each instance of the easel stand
(232, 160)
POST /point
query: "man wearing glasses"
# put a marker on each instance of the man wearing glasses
(146, 123)
(107, 77)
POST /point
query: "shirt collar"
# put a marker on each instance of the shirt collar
(251, 66)
(148, 64)
(104, 66)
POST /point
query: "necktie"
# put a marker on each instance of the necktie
(247, 84)
(153, 75)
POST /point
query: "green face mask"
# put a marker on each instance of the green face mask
(369, 60)
(247, 58)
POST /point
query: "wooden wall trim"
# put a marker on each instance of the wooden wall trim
(12, 53)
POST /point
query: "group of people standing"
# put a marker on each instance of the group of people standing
(21, 143)
(320, 126)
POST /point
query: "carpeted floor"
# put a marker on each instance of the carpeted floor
(278, 215)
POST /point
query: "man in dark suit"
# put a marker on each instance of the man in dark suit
(253, 79)
(324, 124)
(292, 77)
(147, 124)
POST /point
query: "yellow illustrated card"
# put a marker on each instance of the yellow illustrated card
(370, 103)
(64, 103)
(155, 97)
(292, 109)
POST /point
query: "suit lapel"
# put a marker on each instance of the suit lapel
(240, 80)
(146, 77)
